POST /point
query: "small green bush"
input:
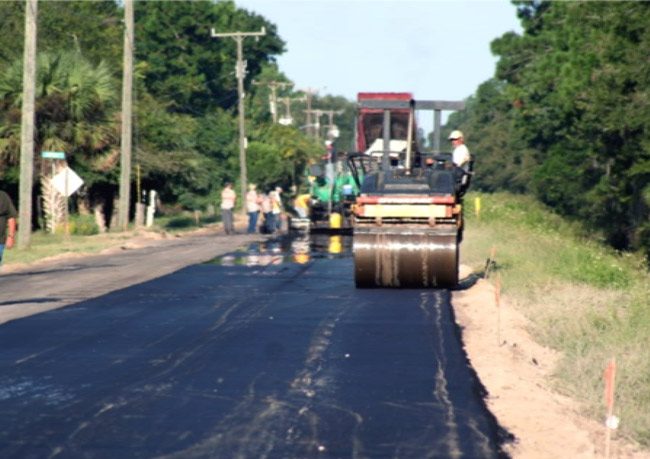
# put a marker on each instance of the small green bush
(82, 225)
(180, 222)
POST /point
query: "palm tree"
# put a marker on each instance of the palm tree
(75, 113)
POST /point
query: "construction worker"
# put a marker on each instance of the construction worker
(462, 159)
(277, 208)
(301, 205)
(228, 198)
(8, 216)
(460, 154)
(253, 201)
(266, 206)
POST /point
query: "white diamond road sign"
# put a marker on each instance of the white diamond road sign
(66, 182)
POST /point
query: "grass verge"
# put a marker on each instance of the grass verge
(45, 245)
(581, 298)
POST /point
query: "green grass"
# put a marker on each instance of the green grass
(581, 298)
(45, 245)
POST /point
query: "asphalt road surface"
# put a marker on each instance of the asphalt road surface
(269, 352)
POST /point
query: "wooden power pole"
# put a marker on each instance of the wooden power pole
(314, 114)
(287, 118)
(127, 110)
(27, 126)
(309, 94)
(241, 73)
(273, 97)
(331, 132)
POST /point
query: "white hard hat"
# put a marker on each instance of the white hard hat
(455, 135)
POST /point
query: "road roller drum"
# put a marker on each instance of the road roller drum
(405, 257)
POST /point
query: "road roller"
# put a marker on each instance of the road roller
(408, 217)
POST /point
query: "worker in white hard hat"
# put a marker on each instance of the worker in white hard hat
(460, 154)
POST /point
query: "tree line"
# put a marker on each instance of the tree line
(567, 113)
(185, 100)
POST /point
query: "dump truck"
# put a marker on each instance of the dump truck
(408, 217)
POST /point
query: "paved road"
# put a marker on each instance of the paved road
(54, 284)
(251, 355)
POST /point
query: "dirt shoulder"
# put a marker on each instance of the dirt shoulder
(516, 373)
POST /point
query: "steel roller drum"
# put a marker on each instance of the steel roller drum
(403, 257)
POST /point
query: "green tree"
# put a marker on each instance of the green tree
(573, 99)
(279, 156)
(75, 107)
(75, 101)
(502, 159)
(184, 65)
(12, 24)
(92, 28)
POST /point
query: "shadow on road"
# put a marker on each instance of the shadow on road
(29, 301)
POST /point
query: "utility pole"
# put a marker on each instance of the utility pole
(27, 126)
(288, 119)
(309, 94)
(127, 101)
(315, 127)
(330, 127)
(273, 97)
(240, 73)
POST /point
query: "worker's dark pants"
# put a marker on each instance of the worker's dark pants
(226, 217)
(252, 221)
(269, 222)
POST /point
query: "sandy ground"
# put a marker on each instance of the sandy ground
(512, 367)
(515, 371)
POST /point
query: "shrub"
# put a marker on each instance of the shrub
(82, 225)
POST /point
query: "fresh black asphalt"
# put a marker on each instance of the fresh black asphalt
(262, 353)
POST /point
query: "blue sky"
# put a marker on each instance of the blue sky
(433, 48)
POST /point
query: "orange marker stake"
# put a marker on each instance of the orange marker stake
(497, 300)
(612, 421)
